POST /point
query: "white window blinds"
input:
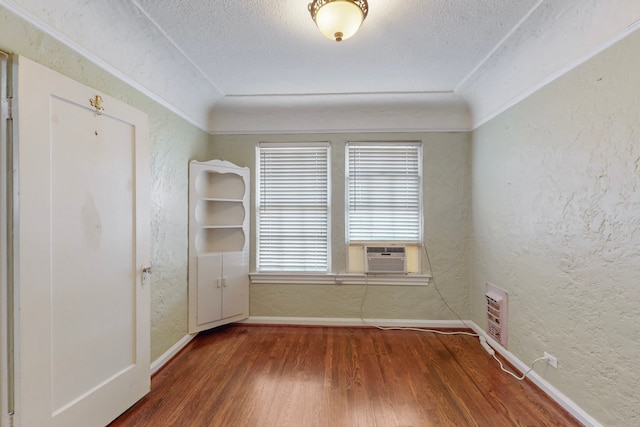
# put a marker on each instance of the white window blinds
(293, 207)
(384, 183)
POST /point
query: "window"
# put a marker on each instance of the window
(292, 203)
(384, 181)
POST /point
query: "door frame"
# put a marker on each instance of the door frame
(7, 195)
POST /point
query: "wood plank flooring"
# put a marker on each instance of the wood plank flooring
(283, 376)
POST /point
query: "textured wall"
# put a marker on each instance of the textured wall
(556, 222)
(173, 143)
(446, 207)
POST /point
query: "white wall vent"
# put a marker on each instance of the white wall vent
(385, 259)
(497, 300)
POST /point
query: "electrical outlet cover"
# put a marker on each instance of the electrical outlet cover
(551, 360)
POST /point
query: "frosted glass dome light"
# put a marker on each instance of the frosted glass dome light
(338, 19)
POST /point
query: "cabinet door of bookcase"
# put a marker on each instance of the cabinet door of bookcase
(210, 282)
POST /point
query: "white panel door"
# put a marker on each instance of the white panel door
(83, 322)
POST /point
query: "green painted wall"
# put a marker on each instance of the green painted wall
(446, 164)
(556, 222)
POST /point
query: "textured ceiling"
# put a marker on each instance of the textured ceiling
(273, 47)
(261, 66)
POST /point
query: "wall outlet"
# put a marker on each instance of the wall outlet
(551, 360)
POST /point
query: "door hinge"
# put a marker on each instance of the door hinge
(9, 108)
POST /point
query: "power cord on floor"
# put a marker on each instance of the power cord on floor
(524, 375)
(482, 339)
(407, 328)
(492, 352)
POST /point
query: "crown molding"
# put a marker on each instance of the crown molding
(163, 62)
(526, 60)
(340, 113)
(531, 57)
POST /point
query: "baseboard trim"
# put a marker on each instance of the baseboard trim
(347, 321)
(556, 395)
(157, 364)
(567, 404)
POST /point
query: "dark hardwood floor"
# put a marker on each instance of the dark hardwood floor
(281, 376)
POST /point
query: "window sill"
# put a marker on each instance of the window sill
(339, 279)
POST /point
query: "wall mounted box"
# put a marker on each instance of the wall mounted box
(497, 300)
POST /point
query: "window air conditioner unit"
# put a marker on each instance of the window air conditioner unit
(385, 259)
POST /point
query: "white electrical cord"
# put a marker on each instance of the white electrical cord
(409, 328)
(483, 340)
(492, 352)
(435, 331)
(523, 376)
(399, 328)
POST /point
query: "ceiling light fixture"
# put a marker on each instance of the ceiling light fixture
(338, 19)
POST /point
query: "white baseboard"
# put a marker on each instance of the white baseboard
(567, 404)
(157, 364)
(348, 321)
(562, 400)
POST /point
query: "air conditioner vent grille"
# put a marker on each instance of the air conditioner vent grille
(385, 259)
(383, 249)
